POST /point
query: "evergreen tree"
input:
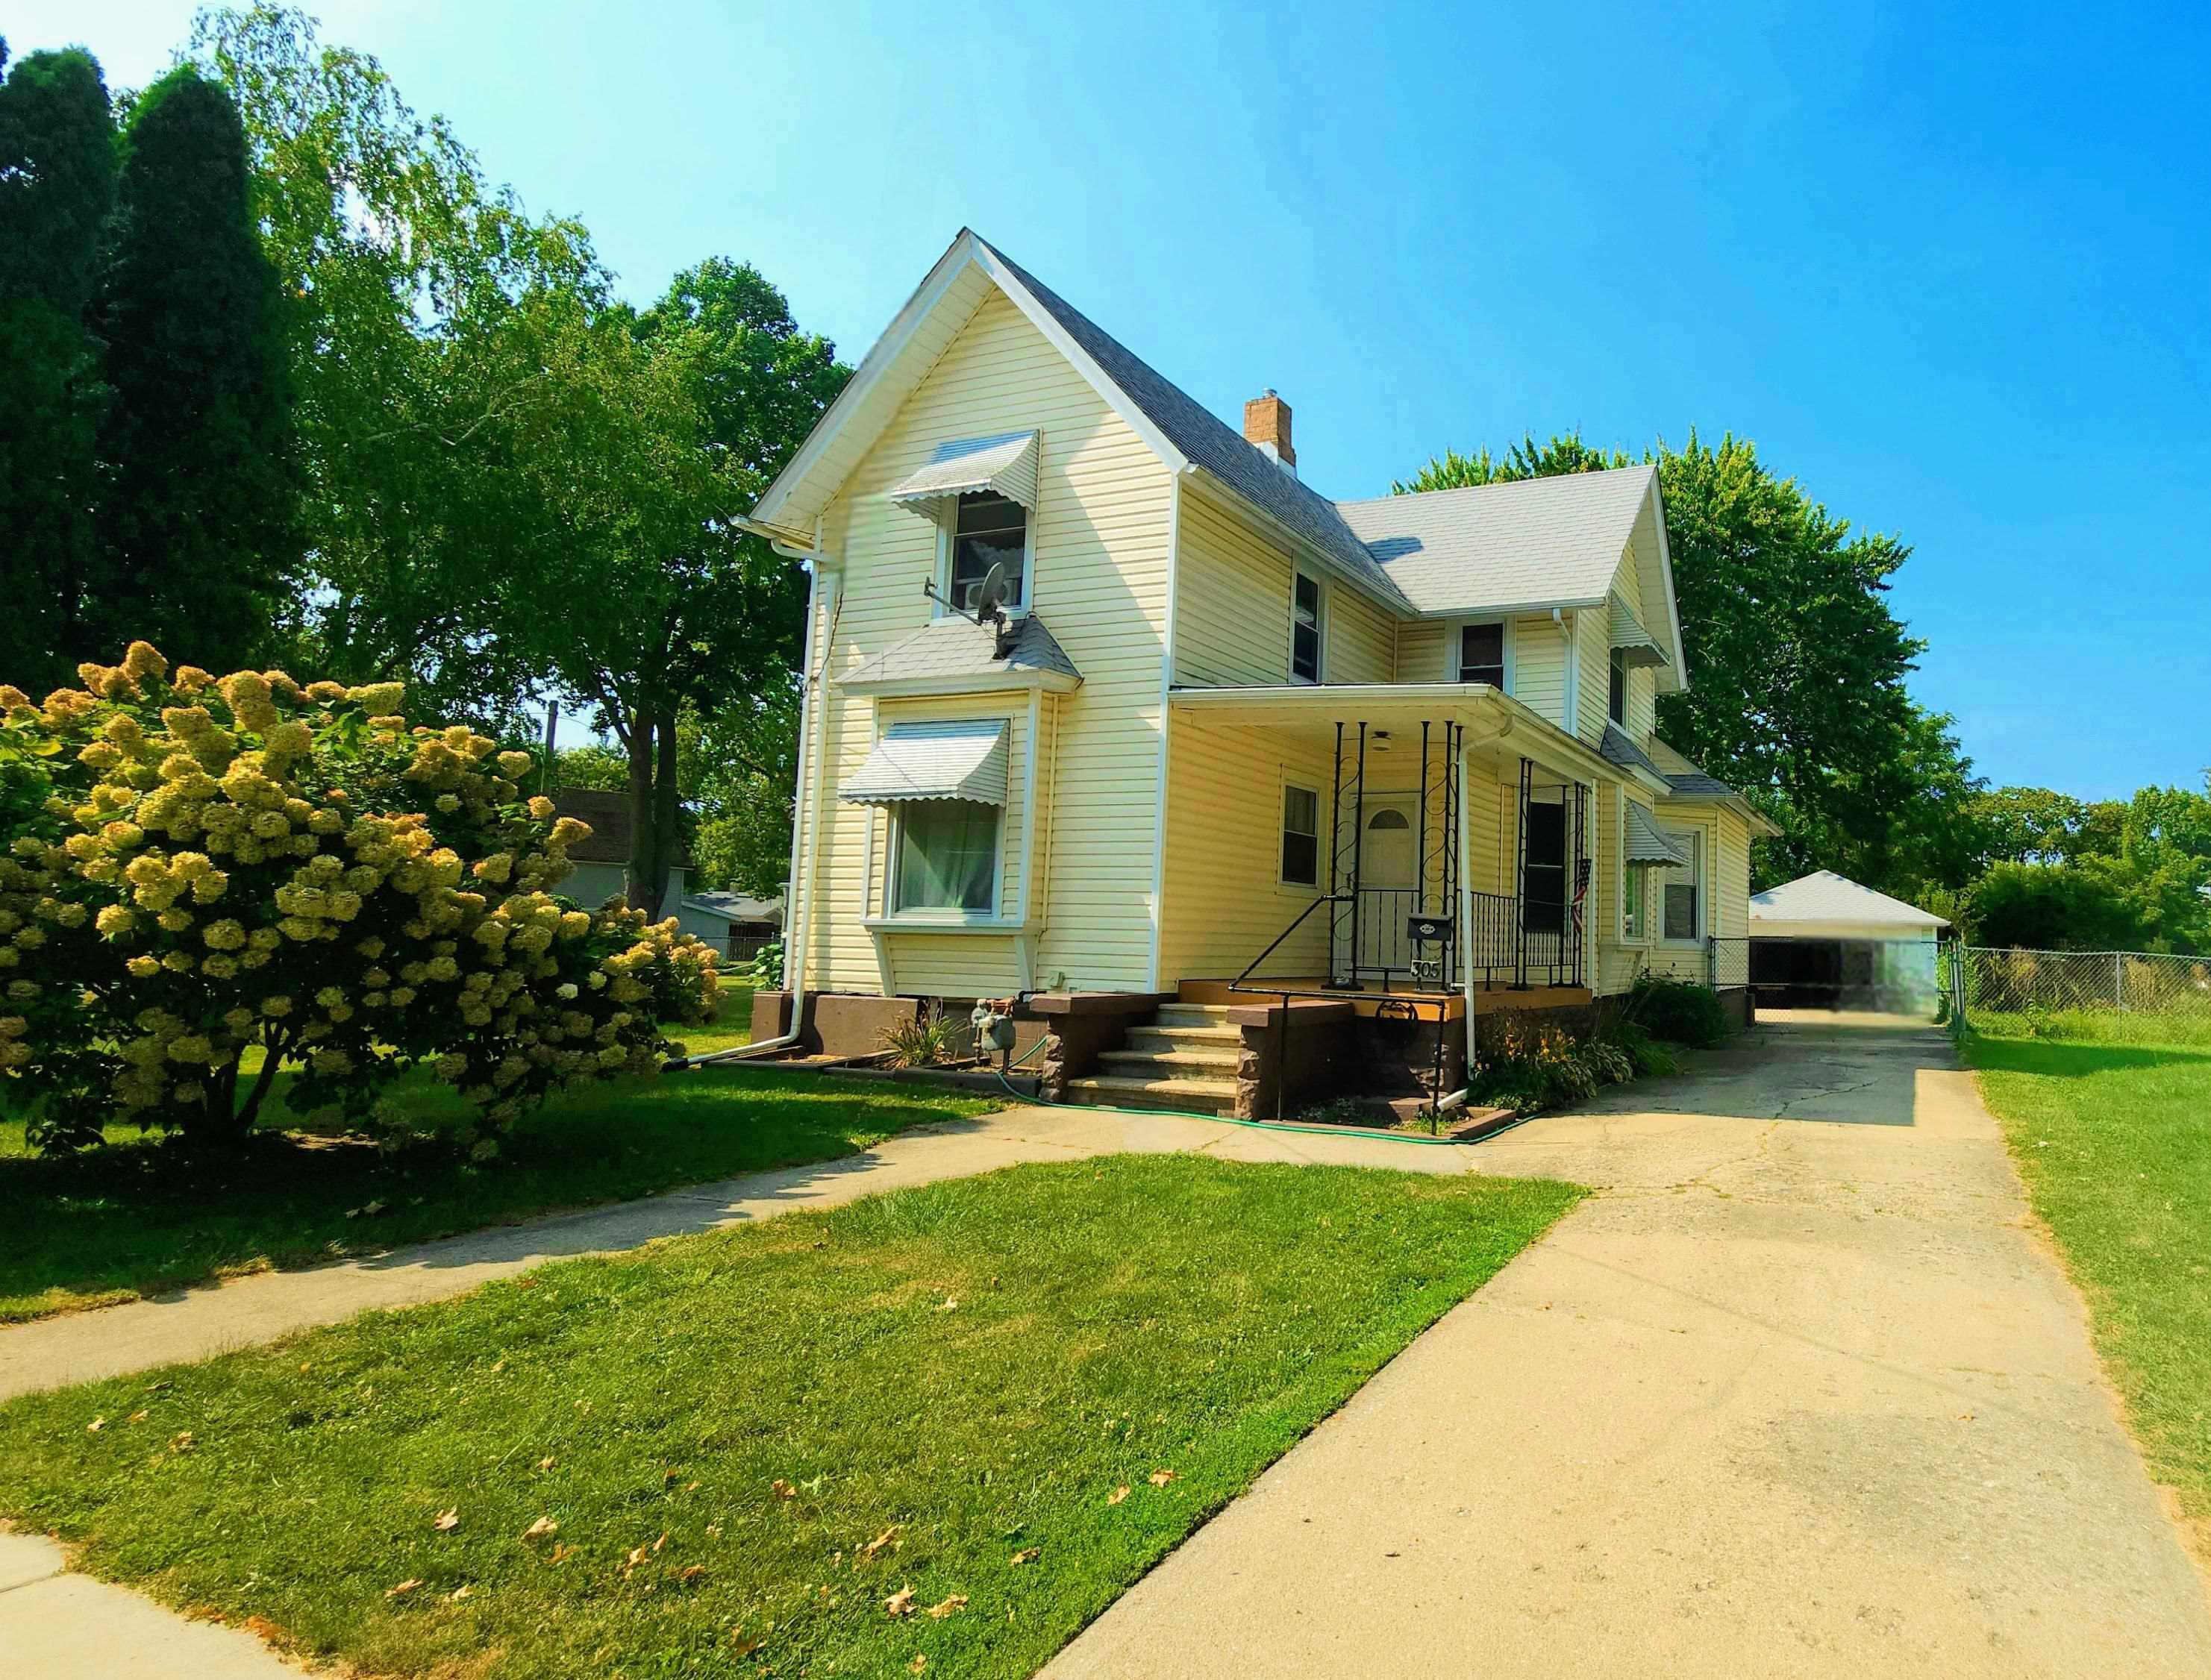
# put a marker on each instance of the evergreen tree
(56, 185)
(199, 513)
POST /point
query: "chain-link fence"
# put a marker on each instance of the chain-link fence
(1727, 963)
(1984, 981)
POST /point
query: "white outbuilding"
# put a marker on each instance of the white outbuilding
(1825, 942)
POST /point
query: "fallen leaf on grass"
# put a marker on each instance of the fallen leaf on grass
(95, 1426)
(547, 1462)
(1026, 1555)
(869, 1551)
(497, 1368)
(782, 1489)
(461, 1592)
(1117, 1495)
(560, 1553)
(901, 1603)
(741, 1646)
(690, 1572)
(541, 1528)
(182, 1442)
(919, 1664)
(949, 1307)
(137, 1417)
(661, 1542)
(1160, 1478)
(404, 1587)
(447, 1521)
(951, 1606)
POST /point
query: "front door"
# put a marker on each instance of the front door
(1388, 882)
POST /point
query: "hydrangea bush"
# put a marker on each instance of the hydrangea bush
(196, 867)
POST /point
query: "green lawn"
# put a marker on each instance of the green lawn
(1006, 1396)
(132, 1219)
(2114, 1140)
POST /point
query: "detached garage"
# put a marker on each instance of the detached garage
(1823, 942)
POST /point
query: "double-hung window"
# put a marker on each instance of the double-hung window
(1481, 654)
(947, 856)
(1305, 629)
(1682, 907)
(1300, 837)
(988, 530)
(1617, 706)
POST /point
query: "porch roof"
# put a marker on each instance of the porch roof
(1493, 720)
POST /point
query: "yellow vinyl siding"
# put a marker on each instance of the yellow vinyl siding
(1539, 667)
(1593, 645)
(1642, 680)
(1233, 607)
(1099, 535)
(1421, 651)
(1222, 898)
(1687, 961)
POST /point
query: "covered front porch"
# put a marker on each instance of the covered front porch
(1451, 849)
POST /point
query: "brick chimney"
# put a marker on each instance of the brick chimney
(1267, 424)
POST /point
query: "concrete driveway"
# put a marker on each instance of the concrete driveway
(1804, 1393)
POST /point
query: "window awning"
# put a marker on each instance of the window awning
(953, 761)
(1005, 465)
(1646, 846)
(1634, 644)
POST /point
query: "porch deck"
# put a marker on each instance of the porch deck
(1369, 999)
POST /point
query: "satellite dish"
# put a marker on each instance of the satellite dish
(990, 594)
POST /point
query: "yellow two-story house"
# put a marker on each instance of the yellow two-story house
(1108, 710)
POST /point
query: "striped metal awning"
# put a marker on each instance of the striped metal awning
(1646, 846)
(1634, 644)
(1005, 465)
(965, 759)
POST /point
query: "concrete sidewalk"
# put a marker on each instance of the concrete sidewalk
(111, 1341)
(1804, 1393)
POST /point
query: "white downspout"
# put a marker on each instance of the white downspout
(1457, 1098)
(820, 605)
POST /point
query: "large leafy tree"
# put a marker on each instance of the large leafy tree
(198, 514)
(1797, 665)
(624, 468)
(402, 259)
(56, 189)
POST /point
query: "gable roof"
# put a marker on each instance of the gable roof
(1531, 545)
(1827, 899)
(1538, 542)
(609, 815)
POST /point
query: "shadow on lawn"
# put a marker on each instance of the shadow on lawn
(141, 1216)
(2075, 1059)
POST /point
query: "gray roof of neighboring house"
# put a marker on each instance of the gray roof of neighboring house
(609, 815)
(1208, 442)
(736, 906)
(952, 646)
(1534, 542)
(1827, 897)
(1616, 748)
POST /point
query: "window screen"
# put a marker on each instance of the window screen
(1481, 654)
(1305, 630)
(1300, 837)
(991, 531)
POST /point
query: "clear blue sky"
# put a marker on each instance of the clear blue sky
(1948, 266)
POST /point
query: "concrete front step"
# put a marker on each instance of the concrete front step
(1136, 1061)
(1191, 1015)
(1187, 1096)
(1166, 1038)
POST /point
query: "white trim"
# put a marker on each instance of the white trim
(1570, 636)
(898, 915)
(980, 682)
(923, 921)
(1166, 725)
(1455, 640)
(1680, 664)
(1028, 804)
(1320, 625)
(1700, 869)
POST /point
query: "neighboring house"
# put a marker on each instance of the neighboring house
(732, 922)
(1401, 748)
(602, 870)
(1823, 941)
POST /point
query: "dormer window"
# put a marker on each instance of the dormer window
(988, 530)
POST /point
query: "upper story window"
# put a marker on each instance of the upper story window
(988, 530)
(1617, 706)
(1305, 627)
(1481, 654)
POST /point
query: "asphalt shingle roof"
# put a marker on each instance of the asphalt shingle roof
(1208, 442)
(1534, 542)
(952, 646)
(1615, 748)
(1826, 897)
